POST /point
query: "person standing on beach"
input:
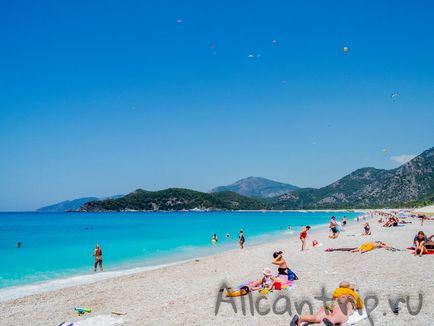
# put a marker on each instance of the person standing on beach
(303, 236)
(333, 228)
(344, 221)
(98, 258)
(241, 239)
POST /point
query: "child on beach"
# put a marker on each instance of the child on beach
(419, 244)
(266, 282)
(303, 236)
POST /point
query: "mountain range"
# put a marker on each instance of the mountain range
(71, 205)
(175, 199)
(408, 184)
(257, 187)
(411, 184)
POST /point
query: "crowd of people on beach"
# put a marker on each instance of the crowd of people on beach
(345, 299)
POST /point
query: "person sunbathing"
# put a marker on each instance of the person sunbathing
(266, 282)
(344, 303)
(368, 246)
(429, 244)
(419, 243)
(393, 221)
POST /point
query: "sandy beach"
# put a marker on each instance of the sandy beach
(186, 293)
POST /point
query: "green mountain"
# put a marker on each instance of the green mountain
(257, 187)
(409, 184)
(175, 199)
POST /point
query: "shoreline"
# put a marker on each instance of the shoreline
(343, 210)
(20, 291)
(186, 293)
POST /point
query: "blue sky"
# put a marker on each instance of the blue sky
(103, 98)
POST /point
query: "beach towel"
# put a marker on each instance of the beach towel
(339, 249)
(288, 285)
(357, 316)
(428, 253)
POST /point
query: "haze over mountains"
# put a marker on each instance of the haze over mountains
(71, 205)
(410, 184)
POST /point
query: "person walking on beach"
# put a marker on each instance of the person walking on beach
(303, 236)
(241, 239)
(98, 258)
(344, 221)
(333, 228)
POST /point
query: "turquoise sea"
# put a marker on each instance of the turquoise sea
(60, 245)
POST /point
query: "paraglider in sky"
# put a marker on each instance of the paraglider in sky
(250, 56)
(393, 95)
(179, 21)
(385, 151)
(345, 50)
(274, 41)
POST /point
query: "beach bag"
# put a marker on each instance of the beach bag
(291, 275)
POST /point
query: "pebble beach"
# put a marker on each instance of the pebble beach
(188, 293)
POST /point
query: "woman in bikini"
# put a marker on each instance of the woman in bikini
(370, 246)
(303, 236)
(280, 261)
(419, 244)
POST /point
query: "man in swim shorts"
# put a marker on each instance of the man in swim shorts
(333, 228)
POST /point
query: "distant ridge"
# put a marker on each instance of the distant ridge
(71, 205)
(257, 187)
(175, 199)
(411, 184)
